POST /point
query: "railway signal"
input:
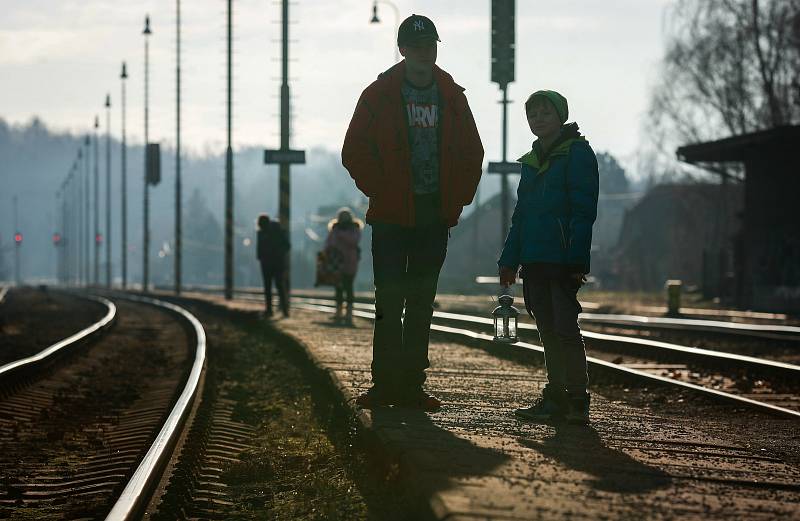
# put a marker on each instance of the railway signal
(57, 239)
(18, 239)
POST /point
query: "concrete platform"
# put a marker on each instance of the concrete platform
(474, 460)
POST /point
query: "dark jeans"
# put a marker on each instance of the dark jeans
(270, 274)
(551, 297)
(344, 290)
(406, 263)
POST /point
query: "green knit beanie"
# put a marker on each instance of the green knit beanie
(558, 101)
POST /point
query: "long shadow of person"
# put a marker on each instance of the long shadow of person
(438, 457)
(580, 448)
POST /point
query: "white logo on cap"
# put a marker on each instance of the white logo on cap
(419, 25)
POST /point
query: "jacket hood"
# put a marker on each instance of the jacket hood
(540, 159)
(392, 78)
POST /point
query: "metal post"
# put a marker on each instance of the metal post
(62, 272)
(79, 267)
(229, 176)
(124, 188)
(284, 183)
(75, 223)
(376, 20)
(73, 236)
(96, 278)
(86, 213)
(504, 203)
(146, 231)
(108, 190)
(17, 246)
(79, 218)
(178, 210)
(62, 259)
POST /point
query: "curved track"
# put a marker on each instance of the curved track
(10, 372)
(91, 436)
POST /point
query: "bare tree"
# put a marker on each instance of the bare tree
(731, 67)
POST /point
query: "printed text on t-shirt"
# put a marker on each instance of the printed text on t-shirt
(422, 116)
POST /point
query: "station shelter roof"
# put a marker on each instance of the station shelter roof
(781, 139)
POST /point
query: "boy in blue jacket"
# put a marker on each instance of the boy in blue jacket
(550, 239)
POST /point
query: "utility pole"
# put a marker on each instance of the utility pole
(74, 262)
(178, 209)
(73, 236)
(108, 190)
(124, 188)
(285, 156)
(97, 238)
(17, 246)
(62, 247)
(229, 172)
(146, 230)
(86, 213)
(79, 267)
(503, 31)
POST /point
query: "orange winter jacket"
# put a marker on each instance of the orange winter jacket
(377, 154)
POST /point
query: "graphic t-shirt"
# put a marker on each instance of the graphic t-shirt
(422, 111)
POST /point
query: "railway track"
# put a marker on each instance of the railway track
(761, 384)
(754, 381)
(91, 435)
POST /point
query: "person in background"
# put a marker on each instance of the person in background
(413, 148)
(272, 246)
(344, 234)
(550, 237)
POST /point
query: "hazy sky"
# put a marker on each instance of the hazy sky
(58, 59)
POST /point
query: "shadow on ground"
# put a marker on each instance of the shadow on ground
(580, 448)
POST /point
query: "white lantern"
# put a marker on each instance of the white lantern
(505, 319)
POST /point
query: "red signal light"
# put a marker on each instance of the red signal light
(98, 238)
(56, 239)
(18, 238)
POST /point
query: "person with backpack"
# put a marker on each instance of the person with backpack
(413, 148)
(550, 239)
(344, 234)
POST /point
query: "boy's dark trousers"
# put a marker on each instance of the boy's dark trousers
(406, 264)
(551, 297)
(276, 273)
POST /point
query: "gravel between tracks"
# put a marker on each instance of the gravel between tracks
(68, 441)
(33, 319)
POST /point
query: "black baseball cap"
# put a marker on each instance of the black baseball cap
(416, 28)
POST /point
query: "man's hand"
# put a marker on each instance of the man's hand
(508, 276)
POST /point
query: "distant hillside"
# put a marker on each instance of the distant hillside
(34, 161)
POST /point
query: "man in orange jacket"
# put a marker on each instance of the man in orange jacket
(413, 148)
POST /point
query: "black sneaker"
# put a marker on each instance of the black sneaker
(373, 398)
(550, 406)
(578, 411)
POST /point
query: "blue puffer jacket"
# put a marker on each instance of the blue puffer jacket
(556, 207)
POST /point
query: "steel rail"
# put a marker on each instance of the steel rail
(773, 409)
(781, 332)
(789, 370)
(47, 354)
(136, 494)
(363, 296)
